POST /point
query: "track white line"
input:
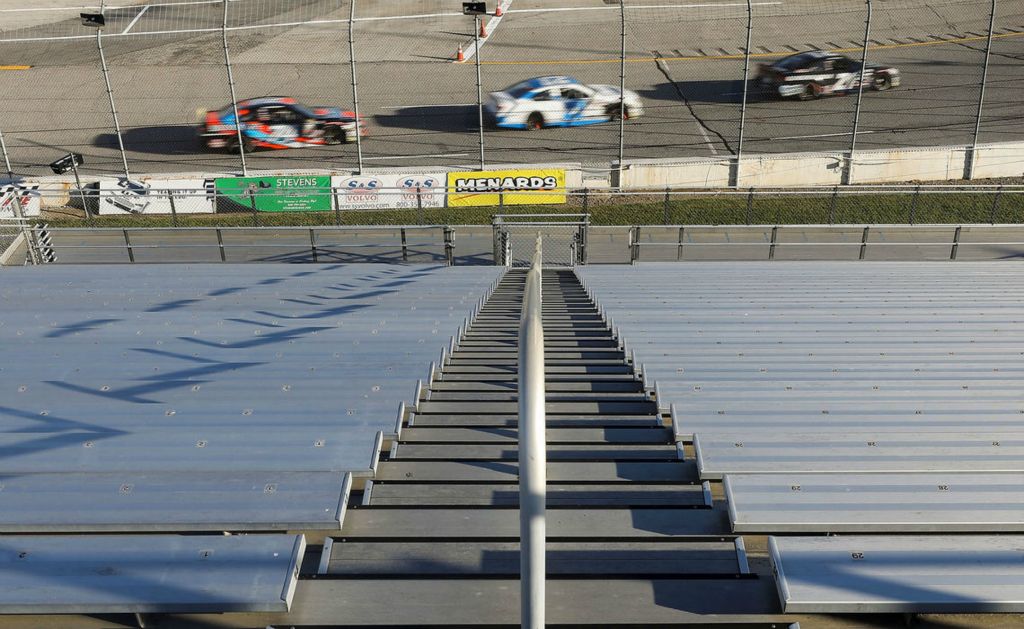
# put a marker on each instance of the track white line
(647, 6)
(468, 53)
(438, 155)
(430, 105)
(820, 135)
(492, 25)
(132, 23)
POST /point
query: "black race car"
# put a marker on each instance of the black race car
(808, 75)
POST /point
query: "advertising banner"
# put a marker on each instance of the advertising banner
(28, 196)
(291, 193)
(511, 187)
(389, 191)
(153, 197)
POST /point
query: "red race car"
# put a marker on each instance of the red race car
(277, 122)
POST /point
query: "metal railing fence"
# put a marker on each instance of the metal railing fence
(910, 204)
(843, 242)
(138, 132)
(314, 244)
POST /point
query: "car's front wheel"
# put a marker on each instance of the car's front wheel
(535, 121)
(335, 135)
(808, 93)
(614, 112)
(232, 145)
(882, 83)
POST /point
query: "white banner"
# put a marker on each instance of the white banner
(389, 191)
(27, 195)
(153, 197)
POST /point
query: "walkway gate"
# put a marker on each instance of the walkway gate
(565, 238)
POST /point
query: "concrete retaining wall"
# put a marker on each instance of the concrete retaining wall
(826, 169)
(935, 164)
(999, 160)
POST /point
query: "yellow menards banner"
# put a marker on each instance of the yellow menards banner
(511, 187)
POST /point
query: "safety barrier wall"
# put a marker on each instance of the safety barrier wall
(948, 163)
(825, 170)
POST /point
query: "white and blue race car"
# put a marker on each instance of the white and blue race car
(559, 101)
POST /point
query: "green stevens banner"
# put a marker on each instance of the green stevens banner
(274, 194)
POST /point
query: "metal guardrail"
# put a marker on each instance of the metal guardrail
(532, 450)
(774, 243)
(316, 246)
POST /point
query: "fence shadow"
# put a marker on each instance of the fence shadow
(718, 91)
(431, 118)
(159, 140)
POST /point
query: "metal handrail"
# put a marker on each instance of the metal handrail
(532, 450)
(316, 245)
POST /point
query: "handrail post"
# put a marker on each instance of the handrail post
(532, 451)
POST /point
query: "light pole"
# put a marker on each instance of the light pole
(98, 21)
(981, 94)
(479, 89)
(622, 84)
(860, 95)
(355, 86)
(477, 9)
(746, 88)
(231, 88)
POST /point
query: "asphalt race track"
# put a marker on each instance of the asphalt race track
(684, 59)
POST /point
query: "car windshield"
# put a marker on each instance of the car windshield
(796, 61)
(299, 109)
(303, 111)
(519, 89)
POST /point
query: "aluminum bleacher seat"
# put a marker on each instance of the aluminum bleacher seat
(886, 574)
(98, 574)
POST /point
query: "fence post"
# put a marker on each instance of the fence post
(19, 212)
(220, 245)
(973, 156)
(81, 191)
(750, 206)
(586, 200)
(252, 204)
(479, 88)
(449, 245)
(622, 92)
(128, 245)
(110, 97)
(832, 206)
(355, 85)
(174, 209)
(956, 243)
(746, 88)
(995, 206)
(666, 204)
(913, 203)
(337, 206)
(420, 219)
(231, 88)
(848, 173)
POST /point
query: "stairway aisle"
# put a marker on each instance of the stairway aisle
(632, 534)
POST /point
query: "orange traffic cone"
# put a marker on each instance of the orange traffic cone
(497, 11)
(460, 56)
(483, 29)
